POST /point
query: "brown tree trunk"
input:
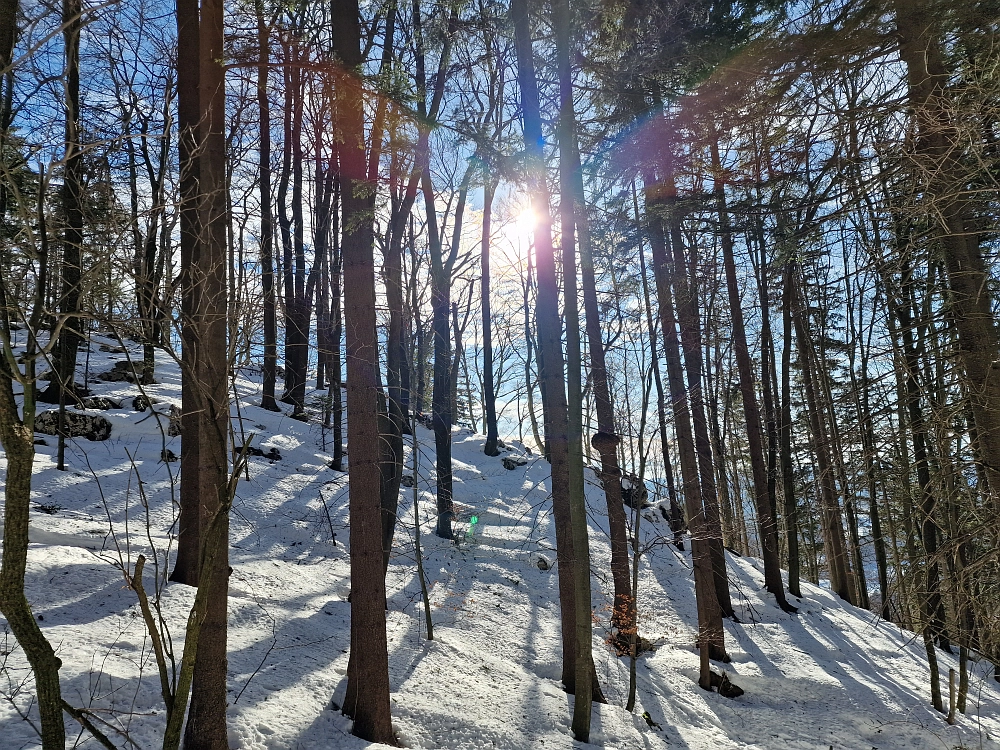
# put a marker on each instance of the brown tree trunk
(573, 216)
(336, 336)
(937, 151)
(266, 217)
(767, 525)
(367, 698)
(491, 448)
(606, 439)
(574, 562)
(711, 635)
(17, 439)
(62, 389)
(833, 525)
(675, 514)
(187, 564)
(206, 722)
(688, 318)
(785, 436)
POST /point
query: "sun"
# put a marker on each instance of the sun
(516, 235)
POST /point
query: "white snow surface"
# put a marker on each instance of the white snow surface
(832, 676)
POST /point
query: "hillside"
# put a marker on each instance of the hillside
(832, 676)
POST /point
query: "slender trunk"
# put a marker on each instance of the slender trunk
(489, 389)
(337, 334)
(441, 386)
(785, 436)
(767, 525)
(570, 523)
(711, 635)
(396, 418)
(606, 439)
(17, 439)
(834, 542)
(62, 389)
(570, 218)
(266, 219)
(296, 305)
(688, 318)
(187, 563)
(291, 75)
(675, 514)
(529, 347)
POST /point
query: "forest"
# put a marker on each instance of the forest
(734, 263)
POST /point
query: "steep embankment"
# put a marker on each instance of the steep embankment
(831, 676)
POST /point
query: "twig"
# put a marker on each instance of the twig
(147, 615)
(81, 717)
(274, 640)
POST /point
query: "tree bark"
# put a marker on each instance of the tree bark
(937, 151)
(766, 523)
(785, 437)
(833, 525)
(62, 389)
(491, 448)
(711, 635)
(367, 698)
(17, 438)
(209, 380)
(187, 563)
(574, 562)
(688, 318)
(266, 216)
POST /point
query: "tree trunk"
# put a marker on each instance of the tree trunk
(489, 389)
(834, 542)
(209, 379)
(337, 334)
(441, 386)
(766, 523)
(367, 699)
(937, 150)
(785, 436)
(187, 564)
(605, 440)
(711, 635)
(62, 389)
(266, 218)
(688, 317)
(676, 515)
(570, 521)
(17, 439)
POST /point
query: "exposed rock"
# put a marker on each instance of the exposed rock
(726, 688)
(174, 428)
(634, 492)
(272, 455)
(168, 456)
(101, 403)
(75, 424)
(543, 563)
(121, 372)
(50, 394)
(143, 402)
(406, 480)
(512, 462)
(112, 349)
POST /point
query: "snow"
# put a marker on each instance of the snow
(831, 676)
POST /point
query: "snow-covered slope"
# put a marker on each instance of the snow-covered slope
(831, 676)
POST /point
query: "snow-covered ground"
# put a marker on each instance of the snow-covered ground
(832, 676)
